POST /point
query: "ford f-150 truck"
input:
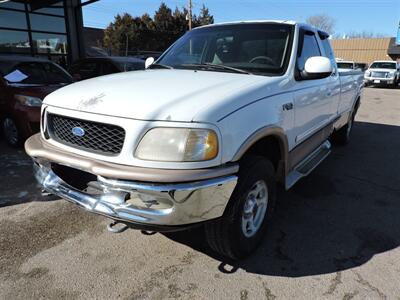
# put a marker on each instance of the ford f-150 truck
(384, 72)
(204, 135)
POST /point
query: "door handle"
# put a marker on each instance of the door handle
(287, 106)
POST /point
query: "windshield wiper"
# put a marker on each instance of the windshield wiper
(159, 66)
(217, 67)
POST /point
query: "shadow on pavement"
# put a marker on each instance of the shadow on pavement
(17, 184)
(339, 217)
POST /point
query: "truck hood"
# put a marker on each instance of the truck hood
(172, 95)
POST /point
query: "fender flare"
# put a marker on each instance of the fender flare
(267, 131)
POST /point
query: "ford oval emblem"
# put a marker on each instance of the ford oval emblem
(78, 131)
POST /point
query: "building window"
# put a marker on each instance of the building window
(34, 28)
(44, 43)
(13, 19)
(47, 23)
(14, 41)
(13, 5)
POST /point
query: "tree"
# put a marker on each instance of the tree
(118, 33)
(322, 22)
(364, 35)
(130, 34)
(204, 18)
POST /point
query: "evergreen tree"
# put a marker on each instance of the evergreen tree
(152, 34)
(204, 18)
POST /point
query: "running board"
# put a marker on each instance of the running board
(308, 164)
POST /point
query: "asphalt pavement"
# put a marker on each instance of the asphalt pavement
(336, 234)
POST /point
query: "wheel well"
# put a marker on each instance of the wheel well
(270, 147)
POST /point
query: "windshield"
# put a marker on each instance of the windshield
(257, 48)
(342, 65)
(37, 73)
(383, 65)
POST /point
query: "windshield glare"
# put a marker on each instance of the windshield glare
(383, 65)
(256, 48)
(38, 73)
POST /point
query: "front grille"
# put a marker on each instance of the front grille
(97, 137)
(379, 74)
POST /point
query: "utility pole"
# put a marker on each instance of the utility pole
(126, 45)
(190, 14)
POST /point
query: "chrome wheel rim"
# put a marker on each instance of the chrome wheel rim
(10, 131)
(254, 208)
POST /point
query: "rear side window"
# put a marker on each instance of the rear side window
(309, 49)
(328, 49)
(86, 69)
(108, 68)
(329, 53)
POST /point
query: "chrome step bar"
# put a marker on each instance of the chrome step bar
(307, 165)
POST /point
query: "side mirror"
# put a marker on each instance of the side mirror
(317, 67)
(149, 62)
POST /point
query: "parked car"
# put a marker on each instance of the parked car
(362, 66)
(24, 82)
(383, 72)
(98, 66)
(238, 108)
(346, 65)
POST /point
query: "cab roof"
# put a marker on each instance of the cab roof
(288, 22)
(251, 22)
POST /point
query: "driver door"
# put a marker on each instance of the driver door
(312, 98)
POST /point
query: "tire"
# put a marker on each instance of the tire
(11, 132)
(231, 235)
(342, 136)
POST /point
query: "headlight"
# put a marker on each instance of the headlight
(28, 100)
(367, 73)
(178, 145)
(390, 75)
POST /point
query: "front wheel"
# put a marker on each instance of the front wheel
(241, 229)
(11, 132)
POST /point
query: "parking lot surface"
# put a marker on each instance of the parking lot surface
(336, 234)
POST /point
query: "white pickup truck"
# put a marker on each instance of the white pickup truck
(204, 135)
(346, 65)
(383, 72)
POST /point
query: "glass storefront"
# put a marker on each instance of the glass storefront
(35, 28)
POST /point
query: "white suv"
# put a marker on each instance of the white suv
(382, 73)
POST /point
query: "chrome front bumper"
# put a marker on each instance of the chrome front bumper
(145, 203)
(374, 80)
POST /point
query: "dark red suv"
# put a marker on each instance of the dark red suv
(24, 82)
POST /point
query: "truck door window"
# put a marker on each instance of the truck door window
(309, 49)
(329, 53)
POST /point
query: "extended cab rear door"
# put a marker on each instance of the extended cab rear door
(312, 98)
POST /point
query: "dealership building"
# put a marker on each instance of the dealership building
(47, 28)
(367, 50)
(54, 29)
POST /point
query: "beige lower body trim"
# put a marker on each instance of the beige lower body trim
(43, 152)
(309, 145)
